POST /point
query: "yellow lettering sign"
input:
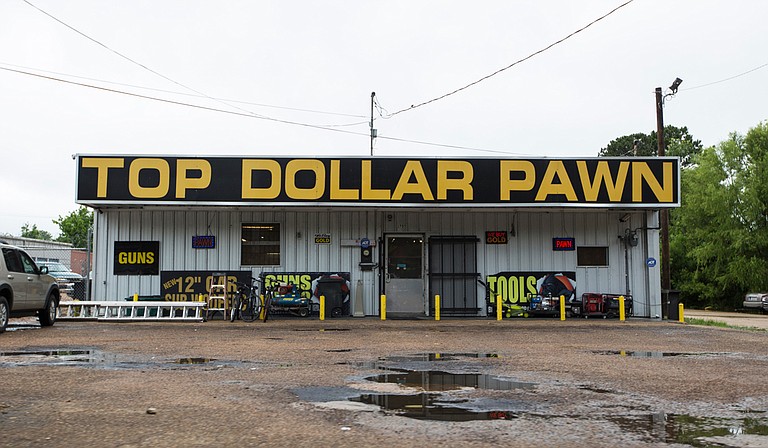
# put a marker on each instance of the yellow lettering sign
(421, 186)
(184, 182)
(463, 183)
(164, 178)
(642, 172)
(602, 176)
(270, 166)
(549, 187)
(507, 167)
(102, 171)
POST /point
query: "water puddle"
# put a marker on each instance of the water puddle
(321, 329)
(425, 406)
(434, 380)
(92, 358)
(695, 431)
(651, 354)
(194, 360)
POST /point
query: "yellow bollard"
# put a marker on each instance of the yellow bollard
(322, 307)
(437, 307)
(136, 297)
(680, 310)
(263, 308)
(498, 307)
(622, 317)
(562, 307)
(383, 307)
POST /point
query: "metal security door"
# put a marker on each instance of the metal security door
(404, 275)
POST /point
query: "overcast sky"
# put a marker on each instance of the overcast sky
(317, 62)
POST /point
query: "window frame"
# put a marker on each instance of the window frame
(261, 259)
(579, 252)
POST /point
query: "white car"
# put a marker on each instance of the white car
(25, 288)
(756, 301)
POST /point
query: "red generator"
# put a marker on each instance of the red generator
(593, 305)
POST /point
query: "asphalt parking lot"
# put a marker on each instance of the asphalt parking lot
(362, 381)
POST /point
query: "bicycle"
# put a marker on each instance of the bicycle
(269, 292)
(247, 303)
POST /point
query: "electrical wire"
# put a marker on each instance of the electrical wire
(297, 109)
(131, 60)
(180, 103)
(727, 79)
(514, 63)
(250, 115)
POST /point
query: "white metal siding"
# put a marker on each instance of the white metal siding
(529, 247)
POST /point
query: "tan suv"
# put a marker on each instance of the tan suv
(25, 289)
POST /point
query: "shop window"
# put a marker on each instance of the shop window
(592, 256)
(260, 244)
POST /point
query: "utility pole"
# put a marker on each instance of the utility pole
(666, 278)
(373, 131)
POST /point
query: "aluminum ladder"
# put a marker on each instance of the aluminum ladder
(154, 311)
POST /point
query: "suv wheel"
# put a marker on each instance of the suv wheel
(48, 315)
(4, 314)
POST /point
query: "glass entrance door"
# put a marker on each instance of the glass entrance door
(404, 276)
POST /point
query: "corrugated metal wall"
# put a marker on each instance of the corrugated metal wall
(529, 248)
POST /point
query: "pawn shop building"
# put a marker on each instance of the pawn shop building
(468, 230)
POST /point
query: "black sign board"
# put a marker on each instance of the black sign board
(563, 244)
(193, 286)
(605, 181)
(496, 237)
(203, 242)
(137, 258)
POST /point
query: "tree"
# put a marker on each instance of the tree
(677, 142)
(34, 232)
(74, 227)
(719, 235)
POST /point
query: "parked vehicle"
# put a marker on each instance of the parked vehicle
(25, 288)
(756, 301)
(63, 275)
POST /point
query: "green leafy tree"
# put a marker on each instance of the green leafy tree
(74, 227)
(34, 232)
(677, 142)
(719, 236)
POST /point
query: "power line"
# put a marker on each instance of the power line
(514, 63)
(180, 103)
(248, 115)
(314, 111)
(129, 59)
(728, 79)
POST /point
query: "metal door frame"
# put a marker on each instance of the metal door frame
(424, 278)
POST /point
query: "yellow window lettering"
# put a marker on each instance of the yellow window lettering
(421, 186)
(146, 192)
(261, 165)
(507, 185)
(549, 187)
